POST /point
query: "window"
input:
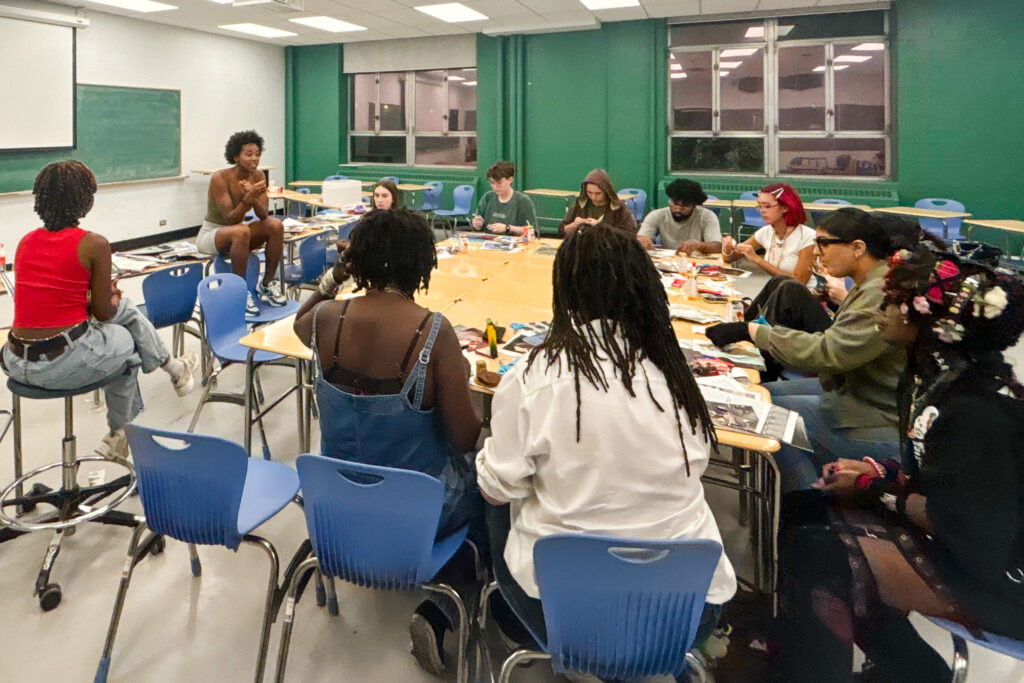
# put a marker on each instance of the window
(425, 118)
(782, 96)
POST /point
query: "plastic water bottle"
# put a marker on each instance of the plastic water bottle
(690, 290)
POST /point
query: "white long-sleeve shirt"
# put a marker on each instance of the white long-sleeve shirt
(626, 476)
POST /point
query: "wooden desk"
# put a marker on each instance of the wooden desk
(828, 208)
(1001, 224)
(914, 212)
(305, 183)
(211, 171)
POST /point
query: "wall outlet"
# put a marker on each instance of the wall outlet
(163, 222)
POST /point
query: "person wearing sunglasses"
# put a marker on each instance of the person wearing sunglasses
(787, 243)
(684, 225)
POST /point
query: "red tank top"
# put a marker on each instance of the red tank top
(50, 284)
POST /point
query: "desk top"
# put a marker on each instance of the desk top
(545, 192)
(1000, 224)
(718, 203)
(211, 171)
(411, 187)
(921, 213)
(278, 337)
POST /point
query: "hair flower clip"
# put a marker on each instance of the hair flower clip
(921, 305)
(904, 309)
(934, 294)
(946, 269)
(991, 305)
(948, 331)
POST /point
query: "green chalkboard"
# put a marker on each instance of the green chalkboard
(122, 134)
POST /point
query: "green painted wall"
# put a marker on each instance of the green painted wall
(315, 112)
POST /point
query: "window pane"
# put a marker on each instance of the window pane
(741, 79)
(860, 86)
(690, 79)
(717, 34)
(734, 155)
(832, 156)
(832, 25)
(364, 101)
(377, 149)
(429, 101)
(445, 150)
(392, 101)
(802, 88)
(462, 99)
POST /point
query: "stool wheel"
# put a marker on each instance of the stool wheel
(159, 544)
(50, 597)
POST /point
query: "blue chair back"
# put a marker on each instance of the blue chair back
(373, 526)
(619, 608)
(221, 264)
(296, 209)
(463, 196)
(170, 294)
(192, 492)
(934, 225)
(222, 301)
(432, 195)
(638, 203)
(751, 216)
(711, 196)
(313, 256)
(818, 216)
(250, 217)
(391, 178)
(336, 177)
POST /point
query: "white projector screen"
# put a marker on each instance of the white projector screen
(37, 79)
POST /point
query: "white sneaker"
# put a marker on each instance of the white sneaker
(251, 307)
(114, 446)
(184, 382)
(272, 293)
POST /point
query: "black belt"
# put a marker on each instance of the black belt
(50, 348)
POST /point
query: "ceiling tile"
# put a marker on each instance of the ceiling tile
(621, 14)
(672, 8)
(726, 6)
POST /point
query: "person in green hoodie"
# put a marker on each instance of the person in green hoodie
(598, 202)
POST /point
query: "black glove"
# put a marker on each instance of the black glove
(723, 334)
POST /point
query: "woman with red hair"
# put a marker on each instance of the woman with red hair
(788, 243)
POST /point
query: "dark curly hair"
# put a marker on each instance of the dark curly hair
(64, 192)
(391, 249)
(240, 139)
(501, 169)
(609, 302)
(881, 234)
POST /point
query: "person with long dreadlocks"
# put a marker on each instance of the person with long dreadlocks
(72, 326)
(629, 461)
(942, 536)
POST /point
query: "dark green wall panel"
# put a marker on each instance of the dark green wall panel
(318, 119)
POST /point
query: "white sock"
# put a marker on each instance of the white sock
(173, 367)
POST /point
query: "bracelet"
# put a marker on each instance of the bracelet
(328, 287)
(880, 471)
(863, 482)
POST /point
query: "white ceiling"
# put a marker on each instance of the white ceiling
(387, 19)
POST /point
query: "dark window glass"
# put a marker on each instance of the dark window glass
(445, 150)
(377, 149)
(832, 156)
(731, 155)
(725, 33)
(832, 25)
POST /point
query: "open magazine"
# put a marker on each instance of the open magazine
(745, 356)
(733, 407)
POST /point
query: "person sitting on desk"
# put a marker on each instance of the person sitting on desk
(72, 326)
(683, 225)
(598, 202)
(391, 380)
(385, 196)
(788, 243)
(233, 192)
(503, 210)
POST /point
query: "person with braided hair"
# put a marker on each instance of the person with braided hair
(72, 326)
(941, 534)
(601, 429)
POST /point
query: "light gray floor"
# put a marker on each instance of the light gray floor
(177, 628)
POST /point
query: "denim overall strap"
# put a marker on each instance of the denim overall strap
(419, 371)
(318, 373)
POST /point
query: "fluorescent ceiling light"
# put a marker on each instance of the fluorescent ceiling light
(679, 74)
(870, 47)
(327, 24)
(469, 83)
(853, 58)
(729, 65)
(222, 2)
(609, 4)
(754, 32)
(258, 30)
(784, 30)
(676, 67)
(818, 68)
(840, 67)
(452, 12)
(723, 74)
(672, 56)
(739, 52)
(456, 78)
(136, 5)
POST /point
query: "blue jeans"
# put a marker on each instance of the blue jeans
(799, 469)
(127, 338)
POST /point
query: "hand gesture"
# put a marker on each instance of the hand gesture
(745, 250)
(728, 243)
(478, 222)
(645, 242)
(688, 247)
(115, 294)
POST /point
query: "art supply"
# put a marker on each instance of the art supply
(3, 256)
(690, 289)
(492, 338)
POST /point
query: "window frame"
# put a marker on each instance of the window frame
(771, 134)
(410, 132)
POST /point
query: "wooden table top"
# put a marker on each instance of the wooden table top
(278, 337)
(921, 213)
(718, 203)
(547, 192)
(211, 171)
(998, 224)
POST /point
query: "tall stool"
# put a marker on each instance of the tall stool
(72, 504)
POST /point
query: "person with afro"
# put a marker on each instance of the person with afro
(684, 225)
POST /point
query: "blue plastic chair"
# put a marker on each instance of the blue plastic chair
(312, 261)
(336, 177)
(618, 608)
(205, 492)
(961, 636)
(391, 178)
(463, 198)
(431, 196)
(222, 303)
(170, 299)
(268, 313)
(751, 217)
(298, 209)
(374, 527)
(817, 216)
(934, 225)
(637, 204)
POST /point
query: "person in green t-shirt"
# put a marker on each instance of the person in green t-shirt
(503, 210)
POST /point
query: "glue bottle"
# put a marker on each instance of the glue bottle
(3, 256)
(690, 290)
(492, 338)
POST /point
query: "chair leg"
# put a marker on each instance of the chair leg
(960, 659)
(515, 659)
(197, 568)
(268, 608)
(126, 576)
(462, 628)
(289, 615)
(332, 597)
(696, 666)
(211, 380)
(483, 653)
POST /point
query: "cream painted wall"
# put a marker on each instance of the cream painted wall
(226, 84)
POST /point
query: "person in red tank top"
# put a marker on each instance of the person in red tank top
(72, 326)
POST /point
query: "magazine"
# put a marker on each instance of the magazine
(745, 356)
(470, 338)
(737, 411)
(694, 315)
(524, 342)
